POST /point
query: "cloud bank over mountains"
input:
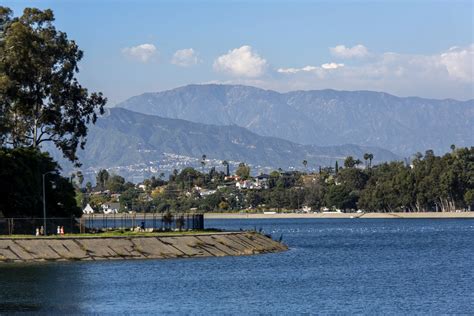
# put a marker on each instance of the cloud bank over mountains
(448, 73)
(445, 74)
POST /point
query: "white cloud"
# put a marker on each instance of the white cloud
(296, 70)
(142, 53)
(326, 66)
(357, 51)
(241, 62)
(459, 63)
(185, 57)
(331, 66)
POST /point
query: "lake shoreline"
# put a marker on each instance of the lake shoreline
(432, 215)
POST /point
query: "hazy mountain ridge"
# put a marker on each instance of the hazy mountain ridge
(124, 138)
(322, 117)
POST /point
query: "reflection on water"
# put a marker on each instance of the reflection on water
(370, 266)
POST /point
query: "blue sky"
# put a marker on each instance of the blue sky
(422, 48)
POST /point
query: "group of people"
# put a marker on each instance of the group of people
(40, 231)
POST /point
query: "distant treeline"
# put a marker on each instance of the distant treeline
(428, 183)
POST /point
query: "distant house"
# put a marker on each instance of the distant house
(262, 181)
(232, 178)
(88, 209)
(244, 184)
(110, 208)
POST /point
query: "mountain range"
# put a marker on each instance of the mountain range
(403, 125)
(137, 145)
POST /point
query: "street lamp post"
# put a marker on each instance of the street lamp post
(44, 202)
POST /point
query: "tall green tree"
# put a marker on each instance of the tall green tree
(101, 179)
(226, 164)
(243, 171)
(41, 99)
(305, 164)
(350, 162)
(203, 162)
(368, 160)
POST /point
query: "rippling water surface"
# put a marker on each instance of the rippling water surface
(369, 266)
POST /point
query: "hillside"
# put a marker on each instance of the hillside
(325, 117)
(137, 145)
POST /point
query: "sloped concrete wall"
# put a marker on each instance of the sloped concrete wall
(149, 247)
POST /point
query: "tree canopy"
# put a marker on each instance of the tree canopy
(21, 171)
(429, 183)
(40, 97)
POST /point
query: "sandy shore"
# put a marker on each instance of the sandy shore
(339, 215)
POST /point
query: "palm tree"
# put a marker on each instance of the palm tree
(305, 164)
(203, 162)
(226, 164)
(370, 156)
(80, 178)
(366, 157)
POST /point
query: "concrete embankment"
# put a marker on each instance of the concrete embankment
(143, 247)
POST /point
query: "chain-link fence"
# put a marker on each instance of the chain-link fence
(152, 221)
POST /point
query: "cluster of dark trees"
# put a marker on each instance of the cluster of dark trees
(428, 183)
(21, 176)
(431, 183)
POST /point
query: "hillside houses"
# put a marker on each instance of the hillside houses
(110, 208)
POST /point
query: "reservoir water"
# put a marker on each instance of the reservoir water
(368, 266)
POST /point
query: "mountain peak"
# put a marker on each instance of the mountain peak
(320, 117)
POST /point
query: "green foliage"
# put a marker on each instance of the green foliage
(101, 179)
(350, 162)
(115, 183)
(432, 183)
(353, 178)
(40, 96)
(128, 197)
(97, 200)
(340, 197)
(226, 164)
(21, 171)
(243, 171)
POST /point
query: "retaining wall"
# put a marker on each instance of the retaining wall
(146, 247)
